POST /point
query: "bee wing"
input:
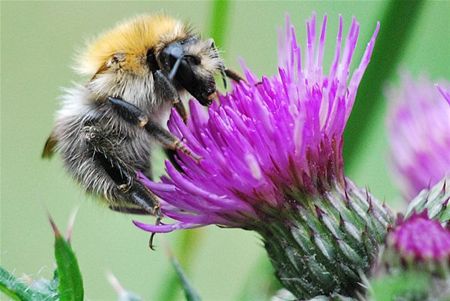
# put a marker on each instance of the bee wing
(49, 147)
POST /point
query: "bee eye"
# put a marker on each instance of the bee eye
(151, 60)
(192, 60)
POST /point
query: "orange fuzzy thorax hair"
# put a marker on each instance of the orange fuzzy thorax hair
(132, 39)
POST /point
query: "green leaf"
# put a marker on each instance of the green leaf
(18, 290)
(70, 285)
(190, 293)
(397, 25)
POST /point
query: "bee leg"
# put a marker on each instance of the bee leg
(172, 155)
(131, 113)
(157, 222)
(165, 85)
(123, 176)
(179, 106)
(141, 196)
(168, 140)
(128, 210)
(233, 75)
(128, 111)
(129, 188)
(166, 90)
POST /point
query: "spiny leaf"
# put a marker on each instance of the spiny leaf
(186, 247)
(18, 290)
(190, 293)
(122, 293)
(70, 286)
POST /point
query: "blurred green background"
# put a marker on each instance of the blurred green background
(38, 42)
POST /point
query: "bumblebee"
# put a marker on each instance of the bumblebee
(106, 128)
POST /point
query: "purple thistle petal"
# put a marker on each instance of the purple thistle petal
(445, 93)
(266, 137)
(165, 228)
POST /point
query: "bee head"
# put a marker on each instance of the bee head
(122, 61)
(191, 64)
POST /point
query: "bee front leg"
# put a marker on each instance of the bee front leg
(233, 75)
(132, 114)
(179, 106)
(166, 90)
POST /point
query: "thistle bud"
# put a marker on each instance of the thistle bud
(419, 244)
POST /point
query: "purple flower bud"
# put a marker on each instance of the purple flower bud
(421, 238)
(419, 243)
(419, 133)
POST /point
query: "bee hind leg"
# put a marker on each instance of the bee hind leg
(127, 188)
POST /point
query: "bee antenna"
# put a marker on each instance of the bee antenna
(222, 67)
(175, 68)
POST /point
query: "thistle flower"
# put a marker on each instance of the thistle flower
(272, 162)
(419, 133)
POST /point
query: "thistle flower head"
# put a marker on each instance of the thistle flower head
(419, 133)
(420, 238)
(267, 139)
(272, 162)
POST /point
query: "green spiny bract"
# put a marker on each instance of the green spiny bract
(322, 245)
